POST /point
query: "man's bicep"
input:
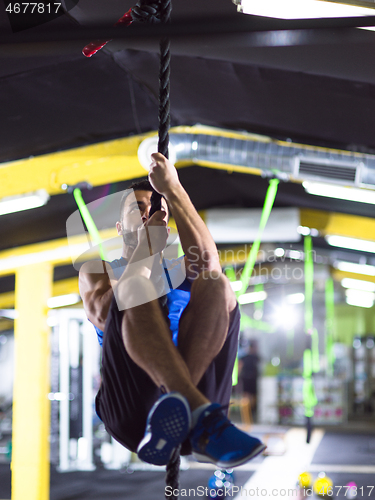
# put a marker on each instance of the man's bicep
(93, 278)
(96, 292)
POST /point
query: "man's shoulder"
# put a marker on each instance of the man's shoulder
(93, 267)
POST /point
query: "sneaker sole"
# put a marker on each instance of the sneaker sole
(170, 426)
(223, 464)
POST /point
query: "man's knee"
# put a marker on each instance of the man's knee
(214, 284)
(134, 291)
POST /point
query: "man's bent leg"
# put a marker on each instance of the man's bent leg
(204, 324)
(127, 393)
(148, 341)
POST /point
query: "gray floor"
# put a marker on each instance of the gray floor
(347, 455)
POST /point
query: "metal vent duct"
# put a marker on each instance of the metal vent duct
(343, 173)
(268, 157)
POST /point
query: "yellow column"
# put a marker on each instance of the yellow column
(31, 406)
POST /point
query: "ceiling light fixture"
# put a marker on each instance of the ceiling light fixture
(300, 9)
(11, 204)
(359, 298)
(250, 298)
(365, 286)
(351, 267)
(351, 243)
(295, 298)
(279, 252)
(340, 192)
(63, 300)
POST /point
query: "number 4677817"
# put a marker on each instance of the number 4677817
(33, 8)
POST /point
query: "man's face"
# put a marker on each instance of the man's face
(136, 212)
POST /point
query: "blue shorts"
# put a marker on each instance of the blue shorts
(127, 393)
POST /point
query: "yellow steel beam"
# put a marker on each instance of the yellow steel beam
(54, 251)
(31, 408)
(339, 275)
(7, 300)
(108, 162)
(353, 226)
(6, 324)
(62, 287)
(97, 164)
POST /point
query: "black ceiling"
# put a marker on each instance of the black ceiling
(314, 86)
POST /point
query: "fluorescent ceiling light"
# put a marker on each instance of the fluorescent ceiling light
(359, 303)
(8, 313)
(300, 9)
(304, 230)
(351, 243)
(63, 300)
(295, 298)
(294, 254)
(279, 252)
(249, 298)
(366, 286)
(285, 317)
(340, 192)
(12, 204)
(351, 267)
(359, 298)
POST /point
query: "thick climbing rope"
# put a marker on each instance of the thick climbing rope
(148, 11)
(155, 12)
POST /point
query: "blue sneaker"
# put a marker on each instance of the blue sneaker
(215, 439)
(168, 424)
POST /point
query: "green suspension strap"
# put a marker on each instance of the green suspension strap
(89, 221)
(330, 315)
(309, 285)
(231, 275)
(309, 288)
(267, 207)
(249, 266)
(312, 351)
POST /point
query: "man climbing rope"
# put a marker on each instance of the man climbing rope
(166, 368)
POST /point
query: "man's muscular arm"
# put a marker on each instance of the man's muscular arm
(96, 292)
(197, 242)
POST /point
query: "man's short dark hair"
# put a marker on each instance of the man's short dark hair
(143, 185)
